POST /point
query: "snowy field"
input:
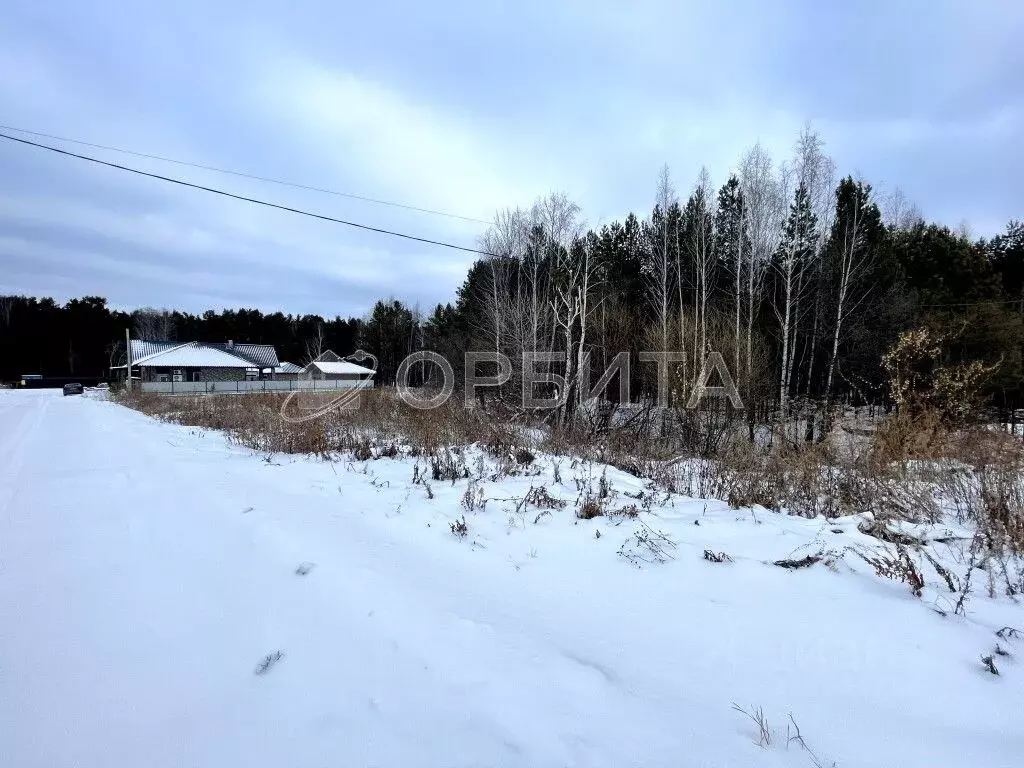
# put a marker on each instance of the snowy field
(168, 599)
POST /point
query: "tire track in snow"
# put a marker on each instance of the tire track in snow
(28, 413)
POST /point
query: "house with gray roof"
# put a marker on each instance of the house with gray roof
(287, 371)
(332, 367)
(198, 361)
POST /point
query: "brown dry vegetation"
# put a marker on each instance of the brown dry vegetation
(381, 424)
(910, 467)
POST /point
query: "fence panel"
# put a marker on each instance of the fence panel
(229, 387)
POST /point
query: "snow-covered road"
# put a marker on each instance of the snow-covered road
(146, 570)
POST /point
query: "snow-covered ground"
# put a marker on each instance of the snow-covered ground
(167, 599)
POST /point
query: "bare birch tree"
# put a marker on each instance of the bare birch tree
(763, 206)
(700, 233)
(567, 309)
(523, 309)
(589, 284)
(507, 240)
(315, 344)
(663, 240)
(894, 208)
(853, 258)
(559, 219)
(153, 324)
(572, 280)
(116, 355)
(899, 213)
(809, 179)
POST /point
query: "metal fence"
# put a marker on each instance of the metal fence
(263, 385)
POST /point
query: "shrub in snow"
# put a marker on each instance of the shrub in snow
(589, 509)
(756, 714)
(629, 511)
(898, 567)
(268, 662)
(473, 498)
(990, 664)
(362, 451)
(803, 562)
(716, 557)
(647, 546)
(447, 465)
(524, 457)
(540, 498)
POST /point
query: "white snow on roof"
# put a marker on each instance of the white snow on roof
(145, 358)
(287, 367)
(343, 367)
(192, 355)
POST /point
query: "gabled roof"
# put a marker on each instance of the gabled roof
(340, 367)
(287, 368)
(329, 356)
(192, 355)
(258, 355)
(142, 348)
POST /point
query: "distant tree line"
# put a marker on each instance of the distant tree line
(802, 281)
(85, 337)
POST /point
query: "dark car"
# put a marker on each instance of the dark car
(73, 389)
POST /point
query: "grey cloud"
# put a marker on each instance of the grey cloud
(464, 105)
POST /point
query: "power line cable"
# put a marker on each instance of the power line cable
(242, 174)
(254, 200)
(314, 189)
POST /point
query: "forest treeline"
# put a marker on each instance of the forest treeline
(801, 279)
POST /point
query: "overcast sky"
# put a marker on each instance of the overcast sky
(463, 107)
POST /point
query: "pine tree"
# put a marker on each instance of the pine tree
(732, 249)
(698, 245)
(1006, 255)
